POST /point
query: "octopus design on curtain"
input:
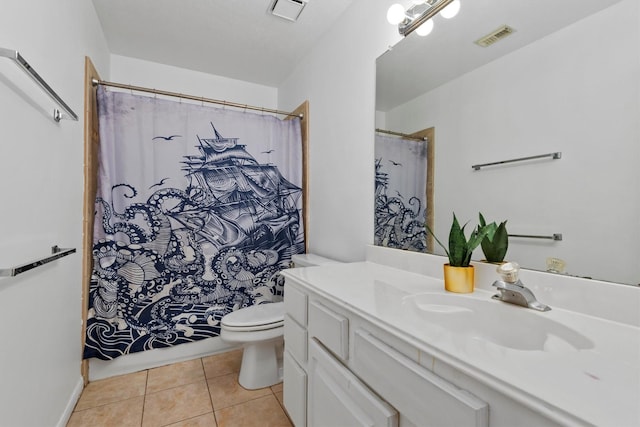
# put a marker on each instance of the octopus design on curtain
(167, 269)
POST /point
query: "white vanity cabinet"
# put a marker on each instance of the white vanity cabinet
(348, 376)
(341, 369)
(319, 390)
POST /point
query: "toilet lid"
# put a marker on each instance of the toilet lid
(256, 315)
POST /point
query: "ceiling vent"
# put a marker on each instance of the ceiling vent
(495, 36)
(288, 9)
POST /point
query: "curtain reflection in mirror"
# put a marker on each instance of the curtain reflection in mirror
(401, 192)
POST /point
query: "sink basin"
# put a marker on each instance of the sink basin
(500, 323)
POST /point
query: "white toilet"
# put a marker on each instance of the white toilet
(259, 329)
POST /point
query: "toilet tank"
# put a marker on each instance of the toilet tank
(310, 260)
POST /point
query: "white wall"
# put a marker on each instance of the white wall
(139, 72)
(575, 91)
(173, 79)
(338, 78)
(41, 181)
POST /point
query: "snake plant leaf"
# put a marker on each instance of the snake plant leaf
(495, 248)
(474, 241)
(492, 227)
(437, 240)
(458, 247)
(482, 222)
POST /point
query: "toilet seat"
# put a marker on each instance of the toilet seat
(255, 318)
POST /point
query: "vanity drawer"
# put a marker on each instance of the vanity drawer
(294, 390)
(295, 339)
(330, 328)
(338, 398)
(419, 394)
(295, 304)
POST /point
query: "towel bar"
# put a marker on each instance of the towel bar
(56, 253)
(555, 156)
(555, 236)
(15, 56)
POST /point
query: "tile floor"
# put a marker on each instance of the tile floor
(196, 393)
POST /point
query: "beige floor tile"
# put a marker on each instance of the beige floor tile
(222, 364)
(276, 388)
(110, 390)
(176, 404)
(262, 412)
(206, 420)
(126, 413)
(280, 396)
(225, 391)
(175, 375)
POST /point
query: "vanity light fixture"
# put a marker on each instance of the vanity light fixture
(419, 15)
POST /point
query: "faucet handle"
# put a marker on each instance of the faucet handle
(509, 271)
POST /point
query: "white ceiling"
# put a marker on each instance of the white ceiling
(239, 39)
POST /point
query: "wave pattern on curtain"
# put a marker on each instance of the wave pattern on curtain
(400, 193)
(190, 224)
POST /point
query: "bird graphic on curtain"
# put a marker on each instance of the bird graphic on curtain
(167, 138)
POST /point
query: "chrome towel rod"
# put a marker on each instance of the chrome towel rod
(56, 253)
(555, 236)
(15, 56)
(554, 156)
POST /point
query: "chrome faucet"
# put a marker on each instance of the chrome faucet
(511, 289)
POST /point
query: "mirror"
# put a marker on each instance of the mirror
(565, 81)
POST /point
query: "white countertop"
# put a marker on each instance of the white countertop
(597, 382)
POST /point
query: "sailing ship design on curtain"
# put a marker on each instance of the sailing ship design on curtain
(400, 193)
(174, 265)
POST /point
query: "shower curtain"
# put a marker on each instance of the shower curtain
(400, 193)
(197, 209)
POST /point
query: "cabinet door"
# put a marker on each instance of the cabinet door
(336, 397)
(295, 390)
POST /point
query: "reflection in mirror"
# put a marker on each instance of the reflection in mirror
(404, 189)
(566, 80)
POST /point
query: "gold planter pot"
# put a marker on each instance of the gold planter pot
(459, 279)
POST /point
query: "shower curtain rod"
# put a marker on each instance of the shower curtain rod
(193, 98)
(404, 135)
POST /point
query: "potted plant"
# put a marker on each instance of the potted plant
(496, 242)
(459, 275)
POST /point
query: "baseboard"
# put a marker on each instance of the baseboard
(73, 399)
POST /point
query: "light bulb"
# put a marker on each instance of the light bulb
(395, 14)
(425, 29)
(451, 10)
(417, 1)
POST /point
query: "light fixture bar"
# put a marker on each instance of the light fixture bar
(408, 26)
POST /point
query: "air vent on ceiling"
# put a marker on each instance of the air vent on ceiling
(494, 36)
(288, 9)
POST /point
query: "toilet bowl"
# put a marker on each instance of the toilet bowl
(260, 328)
